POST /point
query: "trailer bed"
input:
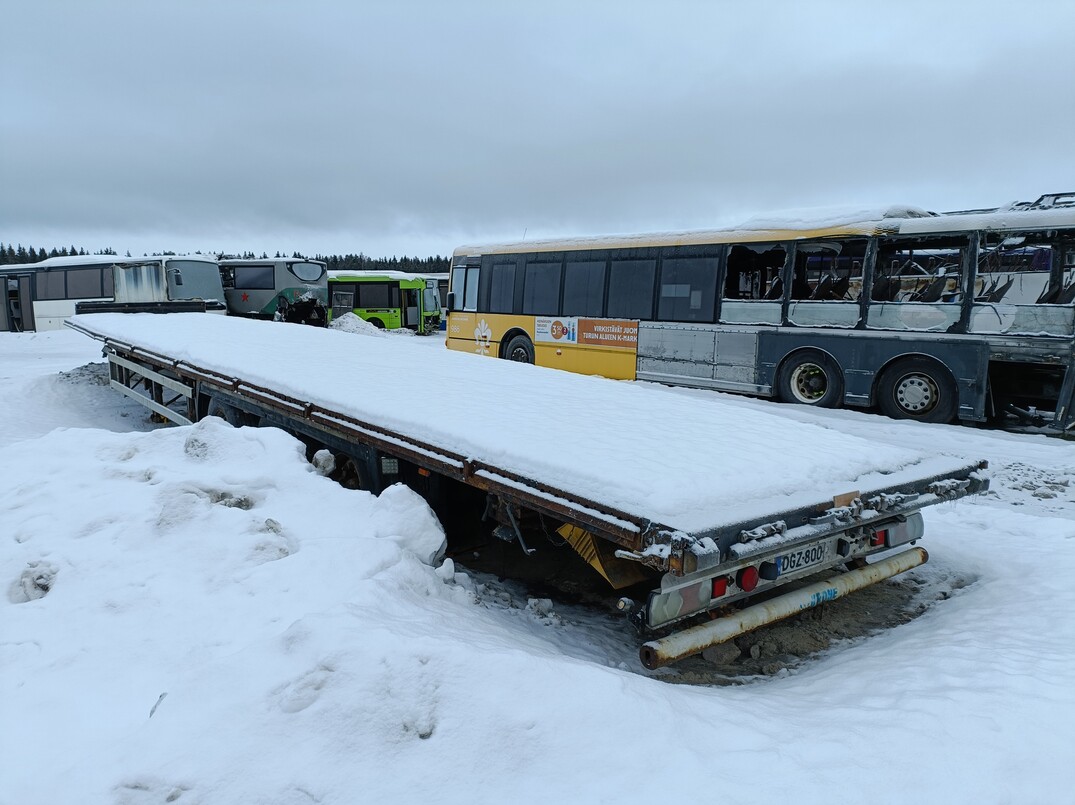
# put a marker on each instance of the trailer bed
(689, 464)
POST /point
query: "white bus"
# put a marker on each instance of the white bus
(39, 296)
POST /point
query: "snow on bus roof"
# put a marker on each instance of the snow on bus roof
(1009, 219)
(222, 259)
(689, 462)
(810, 218)
(395, 275)
(816, 222)
(794, 224)
(100, 260)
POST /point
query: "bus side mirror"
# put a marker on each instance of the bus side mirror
(451, 300)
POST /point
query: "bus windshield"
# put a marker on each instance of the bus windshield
(307, 272)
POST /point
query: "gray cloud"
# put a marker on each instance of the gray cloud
(409, 127)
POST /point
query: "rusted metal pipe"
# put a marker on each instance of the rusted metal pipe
(656, 653)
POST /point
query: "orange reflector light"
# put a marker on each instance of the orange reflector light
(878, 538)
(720, 586)
(423, 472)
(747, 579)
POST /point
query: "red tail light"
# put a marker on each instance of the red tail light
(878, 538)
(720, 586)
(747, 579)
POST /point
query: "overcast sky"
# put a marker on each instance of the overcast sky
(409, 128)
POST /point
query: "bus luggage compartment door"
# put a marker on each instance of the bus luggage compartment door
(698, 356)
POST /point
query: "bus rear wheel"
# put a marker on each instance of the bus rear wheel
(811, 378)
(917, 388)
(519, 349)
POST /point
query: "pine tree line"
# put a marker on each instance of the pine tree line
(16, 255)
(360, 262)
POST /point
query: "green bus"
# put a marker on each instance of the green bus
(388, 300)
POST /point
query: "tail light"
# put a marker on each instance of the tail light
(747, 578)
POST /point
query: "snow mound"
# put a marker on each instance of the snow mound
(350, 323)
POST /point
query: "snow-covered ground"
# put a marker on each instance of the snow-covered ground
(196, 615)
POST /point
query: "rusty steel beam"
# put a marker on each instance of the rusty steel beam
(665, 650)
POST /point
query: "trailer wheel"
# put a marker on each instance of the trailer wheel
(917, 388)
(520, 349)
(349, 473)
(226, 412)
(232, 415)
(811, 377)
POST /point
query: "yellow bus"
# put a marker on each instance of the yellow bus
(936, 317)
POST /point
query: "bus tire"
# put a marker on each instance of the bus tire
(919, 389)
(376, 322)
(520, 350)
(811, 377)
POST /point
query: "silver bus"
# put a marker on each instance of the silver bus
(283, 288)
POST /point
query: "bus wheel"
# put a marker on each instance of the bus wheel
(917, 388)
(520, 349)
(811, 378)
(376, 322)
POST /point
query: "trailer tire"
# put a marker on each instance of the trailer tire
(350, 473)
(918, 389)
(520, 350)
(226, 412)
(811, 377)
(233, 416)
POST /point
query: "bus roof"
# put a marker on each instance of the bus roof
(383, 275)
(811, 224)
(260, 261)
(74, 261)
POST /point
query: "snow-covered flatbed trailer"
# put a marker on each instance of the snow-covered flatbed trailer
(705, 502)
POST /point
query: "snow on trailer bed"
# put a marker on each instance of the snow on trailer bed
(689, 465)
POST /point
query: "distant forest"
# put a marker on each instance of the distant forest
(18, 254)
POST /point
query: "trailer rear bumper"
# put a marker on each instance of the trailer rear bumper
(656, 653)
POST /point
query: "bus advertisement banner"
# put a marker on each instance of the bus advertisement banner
(616, 333)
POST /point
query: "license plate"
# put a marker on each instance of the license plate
(802, 558)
